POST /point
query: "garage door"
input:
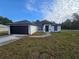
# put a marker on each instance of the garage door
(19, 29)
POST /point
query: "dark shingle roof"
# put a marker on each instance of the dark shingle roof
(45, 22)
(26, 22)
(22, 23)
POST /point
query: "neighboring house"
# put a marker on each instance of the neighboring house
(26, 27)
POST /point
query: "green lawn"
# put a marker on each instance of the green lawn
(62, 45)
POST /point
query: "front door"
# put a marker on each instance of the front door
(55, 28)
(46, 28)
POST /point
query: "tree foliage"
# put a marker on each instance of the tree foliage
(68, 24)
(4, 20)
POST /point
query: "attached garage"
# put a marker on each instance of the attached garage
(19, 29)
(22, 27)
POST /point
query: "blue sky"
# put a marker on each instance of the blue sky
(52, 10)
(21, 9)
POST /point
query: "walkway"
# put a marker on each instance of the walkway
(41, 36)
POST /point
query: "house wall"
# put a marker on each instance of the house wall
(59, 28)
(52, 28)
(32, 29)
(40, 28)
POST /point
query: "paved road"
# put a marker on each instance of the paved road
(9, 38)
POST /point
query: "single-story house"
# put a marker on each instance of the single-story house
(26, 27)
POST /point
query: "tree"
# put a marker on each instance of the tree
(75, 23)
(66, 24)
(37, 21)
(1, 19)
(71, 25)
(75, 16)
(4, 20)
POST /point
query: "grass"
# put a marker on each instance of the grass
(3, 33)
(62, 45)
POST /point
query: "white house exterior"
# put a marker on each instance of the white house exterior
(47, 26)
(26, 27)
(51, 28)
(32, 29)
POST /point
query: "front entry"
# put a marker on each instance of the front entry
(55, 28)
(47, 28)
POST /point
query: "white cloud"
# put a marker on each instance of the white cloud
(61, 10)
(29, 6)
(57, 11)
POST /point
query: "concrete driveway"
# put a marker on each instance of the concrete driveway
(9, 38)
